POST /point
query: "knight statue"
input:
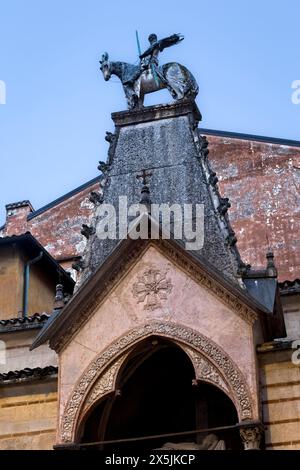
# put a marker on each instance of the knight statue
(148, 76)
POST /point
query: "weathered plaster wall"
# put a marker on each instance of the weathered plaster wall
(262, 181)
(57, 228)
(19, 357)
(41, 291)
(291, 310)
(188, 304)
(280, 396)
(28, 416)
(11, 282)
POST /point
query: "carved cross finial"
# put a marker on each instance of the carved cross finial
(144, 175)
(59, 296)
(145, 198)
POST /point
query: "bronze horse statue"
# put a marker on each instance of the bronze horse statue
(137, 82)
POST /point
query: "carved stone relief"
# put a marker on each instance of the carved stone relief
(251, 437)
(105, 383)
(152, 286)
(206, 371)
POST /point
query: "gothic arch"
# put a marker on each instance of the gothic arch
(210, 362)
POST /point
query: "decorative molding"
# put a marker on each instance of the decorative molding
(157, 112)
(105, 383)
(64, 336)
(206, 371)
(152, 286)
(220, 360)
(214, 287)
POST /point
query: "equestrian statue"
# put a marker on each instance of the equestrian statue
(148, 76)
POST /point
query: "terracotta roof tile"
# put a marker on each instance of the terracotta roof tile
(36, 373)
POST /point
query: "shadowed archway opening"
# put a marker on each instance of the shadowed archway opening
(156, 393)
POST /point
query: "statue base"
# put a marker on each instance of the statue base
(157, 112)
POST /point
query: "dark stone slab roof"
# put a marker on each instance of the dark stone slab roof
(263, 290)
(27, 374)
(290, 287)
(24, 323)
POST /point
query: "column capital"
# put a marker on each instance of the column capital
(251, 433)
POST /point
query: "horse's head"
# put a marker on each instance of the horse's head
(105, 66)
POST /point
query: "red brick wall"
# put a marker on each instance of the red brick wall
(262, 181)
(58, 228)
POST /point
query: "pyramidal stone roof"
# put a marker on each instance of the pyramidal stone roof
(165, 141)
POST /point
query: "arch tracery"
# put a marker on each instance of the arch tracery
(210, 362)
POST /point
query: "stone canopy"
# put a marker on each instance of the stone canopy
(135, 289)
(187, 302)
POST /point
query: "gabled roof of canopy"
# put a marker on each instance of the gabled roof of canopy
(63, 323)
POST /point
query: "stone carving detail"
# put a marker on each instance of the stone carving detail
(179, 333)
(105, 383)
(112, 139)
(205, 370)
(209, 442)
(152, 286)
(87, 231)
(229, 299)
(96, 198)
(251, 437)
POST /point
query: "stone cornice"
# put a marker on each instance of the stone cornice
(153, 113)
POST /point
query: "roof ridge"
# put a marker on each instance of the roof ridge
(252, 137)
(62, 198)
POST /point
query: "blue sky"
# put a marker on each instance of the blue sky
(244, 55)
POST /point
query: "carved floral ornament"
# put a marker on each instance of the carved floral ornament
(152, 286)
(105, 383)
(214, 365)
